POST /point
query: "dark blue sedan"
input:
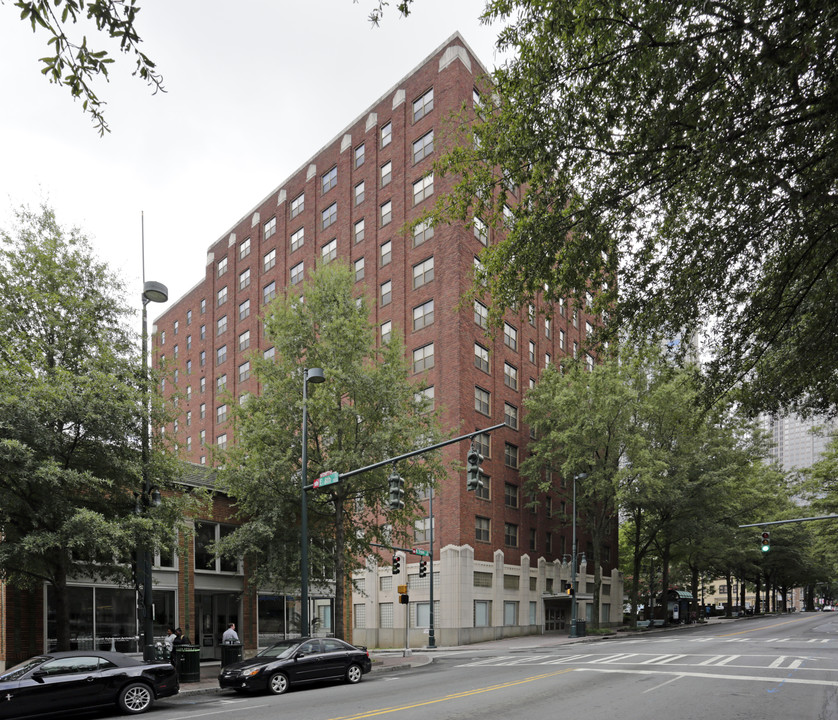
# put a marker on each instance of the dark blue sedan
(63, 682)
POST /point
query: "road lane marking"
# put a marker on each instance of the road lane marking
(671, 659)
(611, 658)
(658, 687)
(710, 676)
(456, 696)
(570, 658)
(217, 712)
(729, 658)
(712, 660)
(656, 659)
(525, 659)
(779, 661)
(764, 627)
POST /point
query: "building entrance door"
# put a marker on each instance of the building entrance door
(214, 612)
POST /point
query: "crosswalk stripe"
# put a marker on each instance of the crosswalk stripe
(779, 661)
(570, 658)
(608, 658)
(671, 659)
(729, 658)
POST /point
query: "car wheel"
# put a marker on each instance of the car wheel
(354, 673)
(278, 683)
(135, 698)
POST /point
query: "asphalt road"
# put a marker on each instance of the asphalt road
(775, 667)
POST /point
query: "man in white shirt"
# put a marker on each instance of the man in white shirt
(230, 635)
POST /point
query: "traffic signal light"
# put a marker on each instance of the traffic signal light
(396, 482)
(423, 568)
(569, 590)
(397, 564)
(404, 599)
(766, 541)
(473, 460)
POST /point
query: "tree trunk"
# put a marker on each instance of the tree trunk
(694, 593)
(665, 582)
(729, 607)
(758, 596)
(636, 563)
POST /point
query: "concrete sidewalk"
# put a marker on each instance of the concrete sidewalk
(388, 660)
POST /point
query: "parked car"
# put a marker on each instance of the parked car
(293, 662)
(828, 608)
(64, 682)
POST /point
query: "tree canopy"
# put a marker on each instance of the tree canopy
(692, 148)
(74, 63)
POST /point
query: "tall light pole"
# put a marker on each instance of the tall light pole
(314, 375)
(573, 600)
(152, 292)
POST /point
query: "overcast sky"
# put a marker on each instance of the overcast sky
(254, 89)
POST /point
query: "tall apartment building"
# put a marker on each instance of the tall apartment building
(794, 442)
(497, 563)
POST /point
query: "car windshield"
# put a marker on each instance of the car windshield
(23, 668)
(280, 649)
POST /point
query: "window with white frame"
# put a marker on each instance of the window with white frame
(510, 376)
(386, 173)
(298, 204)
(270, 229)
(244, 340)
(532, 351)
(510, 415)
(386, 292)
(360, 153)
(423, 315)
(481, 314)
(386, 253)
(562, 340)
(510, 455)
(481, 357)
(244, 279)
(423, 105)
(510, 495)
(423, 273)
(386, 331)
(482, 530)
(427, 396)
(297, 273)
(244, 309)
(481, 231)
(244, 371)
(221, 296)
(329, 216)
(222, 266)
(386, 213)
(269, 260)
(359, 269)
(386, 134)
(221, 414)
(423, 358)
(510, 336)
(329, 251)
(221, 325)
(244, 246)
(423, 147)
(358, 231)
(422, 232)
(482, 613)
(221, 383)
(359, 193)
(423, 188)
(510, 534)
(482, 400)
(329, 179)
(269, 292)
(548, 327)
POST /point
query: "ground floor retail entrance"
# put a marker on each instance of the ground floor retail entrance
(213, 613)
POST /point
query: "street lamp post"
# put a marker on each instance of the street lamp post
(573, 599)
(314, 375)
(152, 292)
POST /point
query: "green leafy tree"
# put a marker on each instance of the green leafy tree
(73, 63)
(70, 418)
(367, 410)
(693, 147)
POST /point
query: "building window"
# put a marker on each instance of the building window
(547, 359)
(202, 437)
(422, 232)
(385, 615)
(589, 329)
(510, 495)
(175, 351)
(359, 155)
(532, 351)
(482, 613)
(510, 415)
(386, 213)
(221, 325)
(422, 530)
(386, 331)
(269, 353)
(589, 362)
(244, 309)
(386, 253)
(203, 358)
(359, 269)
(221, 414)
(561, 339)
(359, 193)
(386, 134)
(510, 376)
(222, 266)
(206, 535)
(297, 273)
(358, 232)
(297, 239)
(548, 543)
(575, 318)
(221, 355)
(423, 315)
(188, 393)
(244, 248)
(270, 229)
(298, 204)
(423, 105)
(575, 349)
(482, 445)
(221, 296)
(510, 536)
(386, 292)
(548, 327)
(423, 358)
(244, 279)
(221, 383)
(269, 292)
(269, 260)
(481, 357)
(203, 305)
(244, 371)
(481, 231)
(426, 396)
(481, 314)
(203, 386)
(482, 400)
(359, 614)
(386, 173)
(482, 532)
(188, 317)
(423, 147)
(244, 340)
(510, 336)
(510, 455)
(423, 273)
(329, 251)
(329, 216)
(423, 188)
(188, 367)
(329, 179)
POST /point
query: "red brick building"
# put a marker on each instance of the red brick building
(351, 201)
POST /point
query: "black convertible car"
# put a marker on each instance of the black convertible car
(293, 662)
(62, 682)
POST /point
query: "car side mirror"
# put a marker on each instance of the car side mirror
(39, 675)
(299, 655)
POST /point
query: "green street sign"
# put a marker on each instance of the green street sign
(420, 551)
(326, 478)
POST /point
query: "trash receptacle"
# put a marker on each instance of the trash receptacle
(230, 653)
(580, 628)
(187, 662)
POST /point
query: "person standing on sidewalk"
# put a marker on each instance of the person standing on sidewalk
(230, 635)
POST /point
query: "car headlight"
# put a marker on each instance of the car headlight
(251, 673)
